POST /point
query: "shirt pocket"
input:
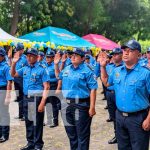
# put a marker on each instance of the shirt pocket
(35, 77)
(116, 83)
(81, 77)
(139, 84)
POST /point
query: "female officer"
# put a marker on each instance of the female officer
(5, 87)
(52, 101)
(78, 86)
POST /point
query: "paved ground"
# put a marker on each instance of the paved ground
(56, 139)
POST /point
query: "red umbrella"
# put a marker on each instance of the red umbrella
(100, 41)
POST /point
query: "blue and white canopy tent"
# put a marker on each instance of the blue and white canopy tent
(57, 37)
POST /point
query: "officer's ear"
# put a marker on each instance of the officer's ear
(139, 55)
(83, 58)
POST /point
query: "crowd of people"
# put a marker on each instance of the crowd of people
(66, 82)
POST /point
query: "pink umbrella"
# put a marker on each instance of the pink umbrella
(101, 41)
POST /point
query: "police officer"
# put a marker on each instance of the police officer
(132, 88)
(66, 59)
(18, 81)
(41, 59)
(110, 94)
(87, 61)
(5, 87)
(78, 85)
(53, 102)
(35, 86)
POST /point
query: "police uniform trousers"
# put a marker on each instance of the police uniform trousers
(52, 105)
(111, 102)
(77, 123)
(4, 114)
(130, 134)
(33, 121)
(19, 91)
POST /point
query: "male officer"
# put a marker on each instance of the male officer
(79, 90)
(132, 88)
(35, 88)
(18, 81)
(110, 94)
(53, 102)
(5, 87)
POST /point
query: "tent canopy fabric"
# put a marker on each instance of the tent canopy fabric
(58, 36)
(4, 36)
(100, 41)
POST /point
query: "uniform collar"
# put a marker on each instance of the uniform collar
(135, 67)
(35, 65)
(79, 67)
(119, 64)
(52, 63)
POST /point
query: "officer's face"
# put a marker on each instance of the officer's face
(130, 56)
(1, 58)
(32, 59)
(148, 55)
(49, 59)
(40, 58)
(117, 58)
(76, 59)
(87, 60)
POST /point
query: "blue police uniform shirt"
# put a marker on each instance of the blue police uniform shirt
(90, 66)
(109, 69)
(77, 82)
(51, 71)
(43, 63)
(97, 70)
(92, 61)
(143, 61)
(20, 64)
(68, 62)
(132, 88)
(33, 78)
(4, 73)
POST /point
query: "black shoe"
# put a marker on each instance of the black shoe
(112, 141)
(102, 92)
(106, 107)
(109, 120)
(3, 139)
(22, 119)
(53, 125)
(17, 117)
(27, 147)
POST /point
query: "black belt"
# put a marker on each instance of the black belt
(112, 91)
(74, 101)
(126, 114)
(32, 96)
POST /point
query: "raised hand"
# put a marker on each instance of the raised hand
(57, 58)
(64, 57)
(102, 59)
(16, 57)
